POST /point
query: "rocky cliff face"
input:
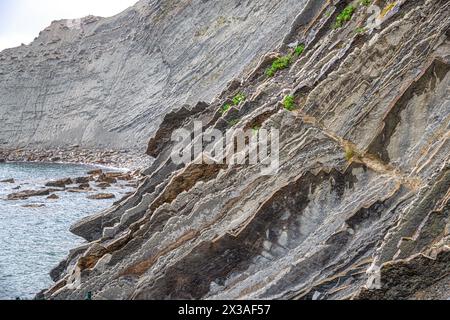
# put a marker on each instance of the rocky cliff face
(107, 82)
(360, 206)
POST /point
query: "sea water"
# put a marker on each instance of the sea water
(35, 240)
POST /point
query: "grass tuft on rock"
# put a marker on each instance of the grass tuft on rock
(345, 16)
(240, 97)
(225, 108)
(349, 153)
(289, 103)
(298, 51)
(279, 64)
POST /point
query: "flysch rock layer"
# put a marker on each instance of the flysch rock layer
(107, 82)
(372, 223)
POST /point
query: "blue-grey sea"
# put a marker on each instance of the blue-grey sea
(34, 240)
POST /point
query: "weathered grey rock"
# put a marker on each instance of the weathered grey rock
(102, 196)
(33, 205)
(81, 180)
(95, 172)
(62, 183)
(373, 226)
(28, 194)
(107, 82)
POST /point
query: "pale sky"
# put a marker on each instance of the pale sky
(22, 20)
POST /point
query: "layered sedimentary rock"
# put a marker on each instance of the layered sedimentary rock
(107, 82)
(359, 208)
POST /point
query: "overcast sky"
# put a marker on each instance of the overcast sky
(22, 20)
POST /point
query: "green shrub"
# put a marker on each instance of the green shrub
(225, 108)
(240, 97)
(299, 50)
(360, 30)
(365, 2)
(344, 16)
(349, 153)
(279, 64)
(289, 103)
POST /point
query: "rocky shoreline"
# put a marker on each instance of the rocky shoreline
(124, 159)
(95, 184)
(120, 167)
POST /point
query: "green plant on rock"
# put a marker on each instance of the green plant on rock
(349, 153)
(279, 64)
(256, 129)
(289, 103)
(240, 97)
(360, 30)
(233, 122)
(344, 16)
(365, 2)
(298, 51)
(225, 108)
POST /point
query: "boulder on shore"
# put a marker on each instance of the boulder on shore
(34, 205)
(125, 177)
(84, 186)
(59, 183)
(28, 194)
(103, 185)
(95, 172)
(107, 178)
(81, 180)
(101, 196)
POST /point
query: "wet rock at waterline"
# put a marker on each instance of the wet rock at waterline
(103, 185)
(28, 193)
(62, 183)
(26, 257)
(102, 196)
(33, 206)
(95, 172)
(83, 180)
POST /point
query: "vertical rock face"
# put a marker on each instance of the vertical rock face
(359, 207)
(107, 82)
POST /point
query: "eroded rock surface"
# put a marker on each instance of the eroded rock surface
(359, 208)
(107, 82)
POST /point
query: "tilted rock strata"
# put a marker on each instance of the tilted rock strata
(323, 227)
(107, 82)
